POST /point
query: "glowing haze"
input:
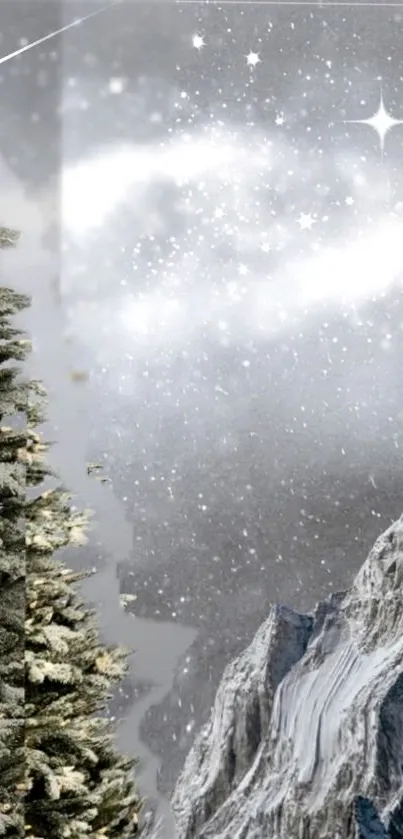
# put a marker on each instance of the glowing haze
(222, 186)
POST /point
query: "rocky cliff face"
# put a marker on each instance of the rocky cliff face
(305, 740)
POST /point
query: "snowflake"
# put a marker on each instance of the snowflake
(198, 42)
(306, 221)
(116, 85)
(252, 59)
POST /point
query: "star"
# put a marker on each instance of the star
(280, 120)
(381, 122)
(306, 221)
(349, 201)
(252, 59)
(198, 42)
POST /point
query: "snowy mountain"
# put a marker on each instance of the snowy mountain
(305, 739)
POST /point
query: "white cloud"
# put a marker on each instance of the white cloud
(225, 168)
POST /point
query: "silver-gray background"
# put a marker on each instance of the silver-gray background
(282, 452)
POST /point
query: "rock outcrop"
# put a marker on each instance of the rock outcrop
(305, 739)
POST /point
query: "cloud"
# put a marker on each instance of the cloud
(226, 256)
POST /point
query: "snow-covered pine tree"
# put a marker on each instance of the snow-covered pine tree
(13, 401)
(75, 783)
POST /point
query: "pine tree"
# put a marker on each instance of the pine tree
(75, 784)
(13, 401)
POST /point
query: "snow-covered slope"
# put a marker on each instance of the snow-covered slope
(305, 740)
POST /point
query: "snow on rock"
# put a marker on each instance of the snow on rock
(305, 739)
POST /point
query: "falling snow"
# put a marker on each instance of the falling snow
(232, 273)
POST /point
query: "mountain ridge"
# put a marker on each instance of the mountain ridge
(305, 738)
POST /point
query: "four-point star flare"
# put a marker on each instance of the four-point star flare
(381, 122)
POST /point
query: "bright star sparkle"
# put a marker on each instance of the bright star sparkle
(381, 121)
